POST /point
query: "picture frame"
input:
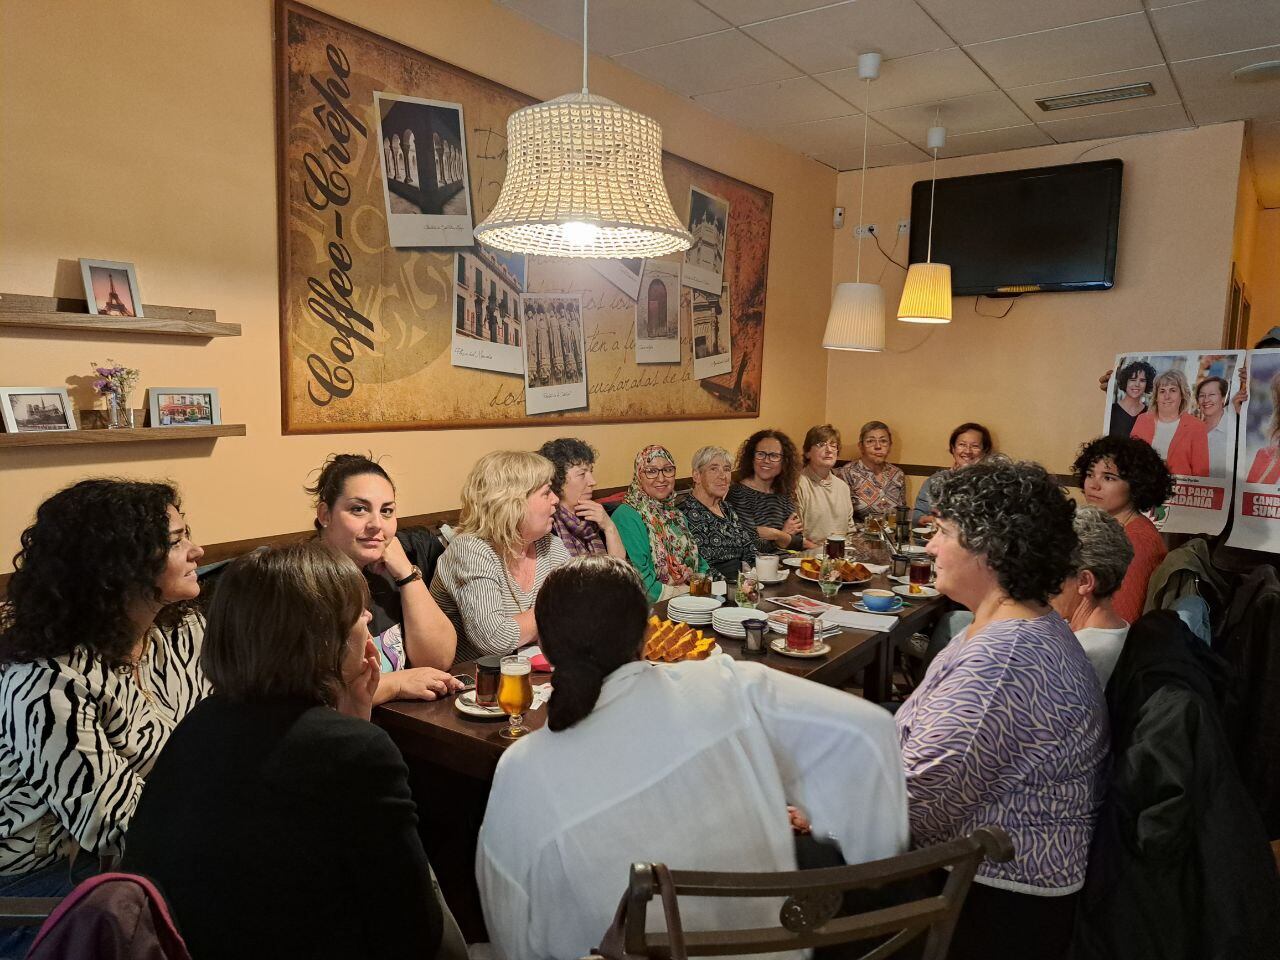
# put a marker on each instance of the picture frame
(36, 409)
(111, 288)
(180, 407)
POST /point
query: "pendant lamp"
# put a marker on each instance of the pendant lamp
(926, 295)
(584, 179)
(856, 320)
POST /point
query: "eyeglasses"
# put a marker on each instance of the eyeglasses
(970, 447)
(652, 473)
(768, 457)
(828, 444)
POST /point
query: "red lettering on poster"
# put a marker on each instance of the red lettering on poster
(1264, 505)
(1192, 495)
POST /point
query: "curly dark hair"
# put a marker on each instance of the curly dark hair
(1019, 519)
(1129, 370)
(564, 453)
(335, 473)
(95, 549)
(1150, 483)
(787, 479)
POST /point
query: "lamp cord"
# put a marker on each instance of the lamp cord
(862, 197)
(933, 191)
(584, 46)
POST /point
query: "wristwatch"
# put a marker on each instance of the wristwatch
(414, 574)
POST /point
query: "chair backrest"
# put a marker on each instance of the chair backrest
(110, 916)
(808, 917)
(26, 911)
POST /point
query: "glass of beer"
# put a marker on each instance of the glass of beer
(515, 695)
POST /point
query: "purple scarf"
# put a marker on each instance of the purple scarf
(580, 537)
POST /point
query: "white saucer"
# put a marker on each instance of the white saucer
(466, 703)
(905, 578)
(911, 550)
(779, 645)
(771, 581)
(859, 605)
(904, 590)
(793, 561)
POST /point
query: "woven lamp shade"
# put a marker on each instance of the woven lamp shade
(584, 179)
(926, 296)
(856, 321)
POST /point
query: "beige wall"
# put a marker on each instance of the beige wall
(143, 131)
(1264, 288)
(1032, 375)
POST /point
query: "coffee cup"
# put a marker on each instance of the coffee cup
(767, 566)
(879, 600)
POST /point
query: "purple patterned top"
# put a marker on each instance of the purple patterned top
(1009, 729)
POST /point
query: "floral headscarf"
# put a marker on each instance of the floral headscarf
(675, 554)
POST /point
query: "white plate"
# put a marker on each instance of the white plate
(691, 620)
(688, 604)
(466, 703)
(859, 605)
(851, 583)
(911, 550)
(904, 590)
(922, 531)
(820, 649)
(736, 615)
(906, 578)
(793, 561)
(779, 578)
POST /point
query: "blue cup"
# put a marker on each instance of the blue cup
(879, 600)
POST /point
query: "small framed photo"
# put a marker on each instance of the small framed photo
(111, 288)
(36, 409)
(183, 407)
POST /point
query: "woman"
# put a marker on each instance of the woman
(1008, 727)
(1135, 380)
(356, 515)
(583, 525)
(278, 822)
(99, 660)
(876, 485)
(1175, 434)
(1126, 478)
(725, 541)
(502, 550)
(631, 749)
(824, 501)
(765, 494)
(1266, 462)
(969, 444)
(659, 544)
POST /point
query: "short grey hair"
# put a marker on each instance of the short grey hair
(1105, 551)
(709, 455)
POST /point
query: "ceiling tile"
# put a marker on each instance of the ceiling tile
(890, 155)
(721, 61)
(1158, 76)
(993, 141)
(1264, 149)
(832, 37)
(1208, 27)
(617, 26)
(783, 101)
(752, 11)
(1170, 117)
(982, 111)
(830, 136)
(1212, 96)
(925, 78)
(1083, 50)
(971, 21)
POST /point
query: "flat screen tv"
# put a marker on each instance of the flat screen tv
(1023, 231)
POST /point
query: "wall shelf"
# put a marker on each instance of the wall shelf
(130, 435)
(18, 311)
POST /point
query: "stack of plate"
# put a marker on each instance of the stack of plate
(695, 611)
(728, 620)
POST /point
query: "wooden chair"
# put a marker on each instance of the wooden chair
(26, 911)
(813, 898)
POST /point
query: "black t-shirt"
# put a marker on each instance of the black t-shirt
(384, 602)
(1122, 421)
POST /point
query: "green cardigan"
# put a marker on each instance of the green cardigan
(635, 537)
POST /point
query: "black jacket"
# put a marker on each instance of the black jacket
(284, 829)
(1180, 867)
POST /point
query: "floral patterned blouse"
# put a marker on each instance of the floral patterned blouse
(872, 495)
(724, 542)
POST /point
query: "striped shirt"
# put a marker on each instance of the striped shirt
(79, 737)
(475, 591)
(758, 509)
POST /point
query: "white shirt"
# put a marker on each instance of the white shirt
(1164, 436)
(691, 765)
(1102, 647)
(1222, 448)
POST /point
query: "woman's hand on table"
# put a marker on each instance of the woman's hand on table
(417, 683)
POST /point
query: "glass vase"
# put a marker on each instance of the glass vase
(119, 411)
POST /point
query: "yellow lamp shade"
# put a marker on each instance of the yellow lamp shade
(856, 321)
(926, 296)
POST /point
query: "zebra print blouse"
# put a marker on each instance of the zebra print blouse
(78, 740)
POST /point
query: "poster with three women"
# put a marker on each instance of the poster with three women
(1257, 522)
(1187, 405)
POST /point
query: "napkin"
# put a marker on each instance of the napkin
(541, 694)
(860, 621)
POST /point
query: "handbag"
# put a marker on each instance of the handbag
(614, 946)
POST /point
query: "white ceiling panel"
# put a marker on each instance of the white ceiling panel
(830, 38)
(1158, 76)
(982, 111)
(994, 141)
(1208, 27)
(971, 21)
(617, 26)
(1264, 151)
(783, 101)
(1083, 50)
(889, 155)
(925, 78)
(721, 61)
(1212, 96)
(751, 11)
(1125, 124)
(830, 136)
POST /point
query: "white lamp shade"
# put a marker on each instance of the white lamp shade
(926, 296)
(856, 321)
(584, 179)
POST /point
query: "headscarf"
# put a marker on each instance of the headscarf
(675, 554)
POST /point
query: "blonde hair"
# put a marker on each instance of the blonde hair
(494, 496)
(1173, 376)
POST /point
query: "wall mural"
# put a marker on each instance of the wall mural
(392, 319)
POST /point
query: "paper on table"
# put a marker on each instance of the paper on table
(541, 694)
(860, 621)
